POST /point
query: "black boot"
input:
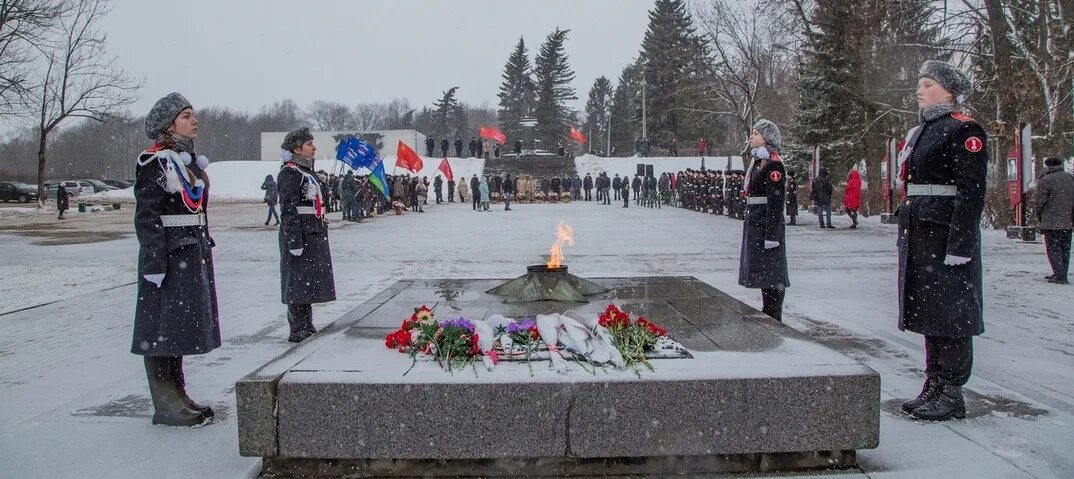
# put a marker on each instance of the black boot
(180, 382)
(168, 407)
(927, 391)
(296, 319)
(946, 403)
(772, 302)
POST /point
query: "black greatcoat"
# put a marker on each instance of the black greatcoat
(762, 268)
(936, 299)
(181, 316)
(308, 278)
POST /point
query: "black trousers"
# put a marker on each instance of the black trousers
(588, 196)
(1057, 244)
(949, 359)
(299, 316)
(853, 214)
(451, 194)
(772, 302)
(476, 197)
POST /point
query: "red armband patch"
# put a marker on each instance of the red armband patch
(775, 176)
(974, 144)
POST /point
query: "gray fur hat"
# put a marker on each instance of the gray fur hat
(295, 139)
(163, 114)
(770, 132)
(950, 77)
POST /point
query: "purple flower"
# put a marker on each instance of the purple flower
(522, 327)
(459, 322)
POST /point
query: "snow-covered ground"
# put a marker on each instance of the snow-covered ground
(75, 402)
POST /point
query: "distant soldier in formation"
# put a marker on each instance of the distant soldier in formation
(792, 198)
(474, 145)
(438, 188)
(444, 146)
(430, 145)
(451, 190)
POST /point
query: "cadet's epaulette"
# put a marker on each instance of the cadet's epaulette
(962, 117)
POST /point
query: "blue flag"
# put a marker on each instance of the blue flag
(356, 153)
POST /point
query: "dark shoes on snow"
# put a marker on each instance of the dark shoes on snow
(927, 391)
(171, 405)
(942, 402)
(1055, 280)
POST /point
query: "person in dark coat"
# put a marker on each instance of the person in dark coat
(474, 185)
(63, 200)
(821, 194)
(763, 263)
(444, 146)
(474, 146)
(451, 190)
(349, 192)
(617, 186)
(458, 147)
(1055, 212)
(792, 198)
(306, 275)
(430, 145)
(518, 147)
(587, 185)
(624, 191)
(271, 197)
(508, 192)
(438, 188)
(944, 165)
(176, 313)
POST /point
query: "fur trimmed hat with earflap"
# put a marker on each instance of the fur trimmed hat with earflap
(770, 132)
(1053, 161)
(295, 139)
(164, 113)
(950, 77)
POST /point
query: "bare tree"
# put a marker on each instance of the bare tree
(370, 116)
(77, 78)
(330, 116)
(24, 25)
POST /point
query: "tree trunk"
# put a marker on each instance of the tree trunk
(42, 141)
(1007, 102)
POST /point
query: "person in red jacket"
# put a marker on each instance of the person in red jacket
(702, 146)
(852, 197)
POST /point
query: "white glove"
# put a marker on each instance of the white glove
(185, 158)
(296, 252)
(952, 260)
(156, 279)
(761, 153)
(202, 161)
(770, 244)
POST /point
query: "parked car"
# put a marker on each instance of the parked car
(99, 186)
(121, 184)
(76, 188)
(14, 191)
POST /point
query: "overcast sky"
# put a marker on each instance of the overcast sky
(244, 54)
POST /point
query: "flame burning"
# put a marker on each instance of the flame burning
(564, 236)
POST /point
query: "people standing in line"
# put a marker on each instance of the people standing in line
(425, 182)
(415, 203)
(576, 188)
(763, 263)
(821, 194)
(852, 197)
(458, 147)
(508, 192)
(792, 198)
(1055, 212)
(348, 193)
(486, 148)
(464, 191)
(445, 145)
(474, 188)
(495, 150)
(438, 187)
(483, 188)
(63, 200)
(306, 275)
(271, 197)
(451, 190)
(587, 185)
(430, 145)
(940, 286)
(176, 312)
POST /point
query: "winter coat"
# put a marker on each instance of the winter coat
(474, 184)
(1055, 199)
(483, 187)
(422, 192)
(587, 183)
(821, 193)
(63, 199)
(438, 184)
(181, 317)
(759, 267)
(271, 195)
(464, 192)
(792, 197)
(936, 299)
(636, 183)
(508, 185)
(497, 183)
(307, 278)
(349, 186)
(852, 193)
(616, 183)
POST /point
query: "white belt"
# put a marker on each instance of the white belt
(757, 200)
(176, 221)
(931, 190)
(306, 210)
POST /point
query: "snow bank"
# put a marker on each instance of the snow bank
(628, 166)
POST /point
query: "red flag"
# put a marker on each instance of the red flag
(445, 167)
(408, 159)
(492, 133)
(577, 135)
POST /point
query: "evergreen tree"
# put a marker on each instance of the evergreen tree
(516, 92)
(674, 59)
(596, 113)
(626, 111)
(444, 111)
(553, 77)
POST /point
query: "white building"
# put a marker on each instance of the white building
(386, 142)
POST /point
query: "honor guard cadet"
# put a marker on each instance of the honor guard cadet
(943, 166)
(763, 263)
(305, 259)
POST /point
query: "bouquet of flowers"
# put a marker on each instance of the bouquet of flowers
(525, 337)
(565, 197)
(452, 343)
(496, 197)
(632, 338)
(399, 207)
